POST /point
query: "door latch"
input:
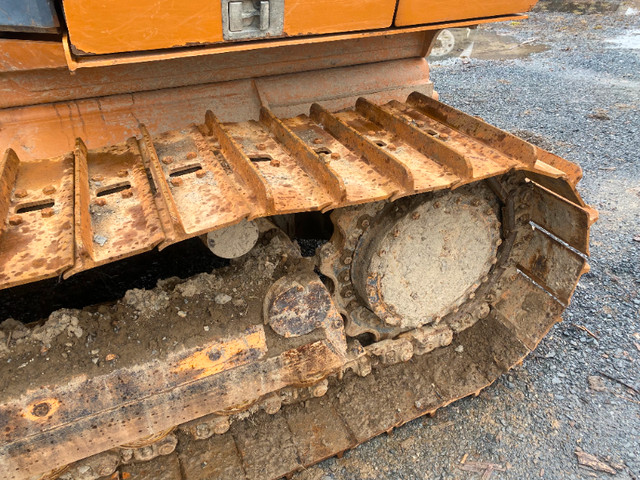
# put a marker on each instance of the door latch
(247, 19)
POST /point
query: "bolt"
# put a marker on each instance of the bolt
(167, 447)
(396, 233)
(221, 425)
(176, 182)
(498, 242)
(167, 160)
(97, 178)
(105, 469)
(391, 147)
(335, 156)
(15, 220)
(483, 310)
(202, 431)
(371, 132)
(436, 204)
(405, 355)
(261, 146)
(345, 277)
(275, 162)
(317, 141)
(201, 173)
(47, 212)
(101, 202)
(41, 409)
(347, 260)
(49, 190)
(494, 261)
(444, 136)
(272, 404)
(123, 173)
(127, 193)
(320, 389)
(348, 293)
(145, 453)
(20, 193)
(191, 155)
(365, 223)
(415, 215)
(419, 124)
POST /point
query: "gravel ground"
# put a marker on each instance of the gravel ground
(580, 99)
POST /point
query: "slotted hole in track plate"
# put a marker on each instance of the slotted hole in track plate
(380, 143)
(323, 150)
(110, 190)
(35, 206)
(260, 158)
(185, 170)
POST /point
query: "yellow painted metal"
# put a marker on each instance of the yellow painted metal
(416, 12)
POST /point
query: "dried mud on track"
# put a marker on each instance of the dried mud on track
(581, 100)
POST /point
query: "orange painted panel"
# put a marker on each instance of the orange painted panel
(115, 26)
(416, 12)
(308, 17)
(99, 26)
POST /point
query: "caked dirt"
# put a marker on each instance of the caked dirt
(145, 324)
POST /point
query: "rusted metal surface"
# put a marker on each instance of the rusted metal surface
(562, 218)
(191, 184)
(115, 214)
(158, 190)
(552, 265)
(37, 208)
(212, 389)
(53, 420)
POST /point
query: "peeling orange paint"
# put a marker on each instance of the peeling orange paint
(224, 355)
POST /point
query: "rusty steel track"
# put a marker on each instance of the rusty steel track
(185, 416)
(89, 207)
(329, 395)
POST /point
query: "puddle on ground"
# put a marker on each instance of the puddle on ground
(491, 46)
(486, 45)
(629, 40)
(578, 7)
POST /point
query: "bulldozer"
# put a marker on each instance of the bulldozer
(443, 248)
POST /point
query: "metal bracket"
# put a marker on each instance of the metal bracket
(250, 19)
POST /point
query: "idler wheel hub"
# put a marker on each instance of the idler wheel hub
(421, 262)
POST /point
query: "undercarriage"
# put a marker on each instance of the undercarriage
(449, 248)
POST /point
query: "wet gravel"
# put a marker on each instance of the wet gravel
(581, 100)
